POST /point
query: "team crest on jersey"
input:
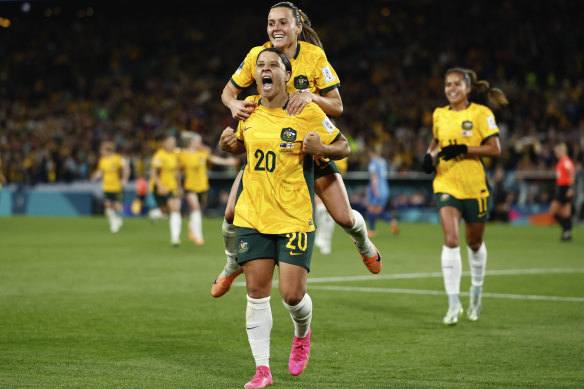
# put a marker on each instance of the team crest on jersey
(467, 125)
(243, 246)
(301, 82)
(288, 134)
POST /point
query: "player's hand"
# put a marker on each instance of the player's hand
(162, 190)
(241, 109)
(227, 141)
(298, 101)
(428, 164)
(452, 151)
(312, 144)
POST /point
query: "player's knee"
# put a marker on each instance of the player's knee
(292, 297)
(344, 219)
(474, 244)
(451, 241)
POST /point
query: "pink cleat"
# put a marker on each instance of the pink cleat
(299, 354)
(261, 379)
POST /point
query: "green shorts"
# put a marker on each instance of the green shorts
(294, 248)
(473, 210)
(163, 199)
(113, 196)
(324, 166)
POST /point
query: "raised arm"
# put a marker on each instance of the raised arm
(240, 109)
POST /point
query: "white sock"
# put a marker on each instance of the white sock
(258, 324)
(318, 238)
(196, 223)
(230, 243)
(359, 233)
(452, 271)
(477, 261)
(301, 315)
(111, 218)
(175, 221)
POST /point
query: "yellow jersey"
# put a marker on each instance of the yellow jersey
(167, 165)
(463, 177)
(194, 166)
(278, 179)
(111, 168)
(310, 70)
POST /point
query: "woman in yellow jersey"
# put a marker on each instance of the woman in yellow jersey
(464, 132)
(313, 80)
(193, 161)
(115, 172)
(165, 184)
(274, 208)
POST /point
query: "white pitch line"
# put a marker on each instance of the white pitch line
(437, 275)
(441, 293)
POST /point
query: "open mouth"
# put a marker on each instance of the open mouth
(267, 82)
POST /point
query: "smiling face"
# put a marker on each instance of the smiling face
(282, 28)
(456, 89)
(271, 75)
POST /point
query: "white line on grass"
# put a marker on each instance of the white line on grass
(441, 293)
(435, 275)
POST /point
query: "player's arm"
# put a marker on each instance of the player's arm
(156, 179)
(490, 148)
(240, 109)
(125, 171)
(229, 142)
(431, 153)
(330, 102)
(339, 149)
(220, 161)
(97, 174)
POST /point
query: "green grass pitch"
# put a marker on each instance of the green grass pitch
(83, 308)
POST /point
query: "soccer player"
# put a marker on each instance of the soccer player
(313, 80)
(463, 133)
(193, 161)
(561, 206)
(274, 209)
(377, 194)
(165, 184)
(324, 221)
(115, 172)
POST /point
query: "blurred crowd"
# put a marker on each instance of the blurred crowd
(73, 74)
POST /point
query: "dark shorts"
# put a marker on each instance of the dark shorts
(473, 210)
(113, 196)
(163, 199)
(324, 166)
(561, 194)
(294, 248)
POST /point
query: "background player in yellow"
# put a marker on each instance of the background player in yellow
(274, 210)
(114, 172)
(313, 80)
(463, 133)
(194, 161)
(166, 186)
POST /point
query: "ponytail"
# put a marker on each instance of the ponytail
(495, 96)
(307, 34)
